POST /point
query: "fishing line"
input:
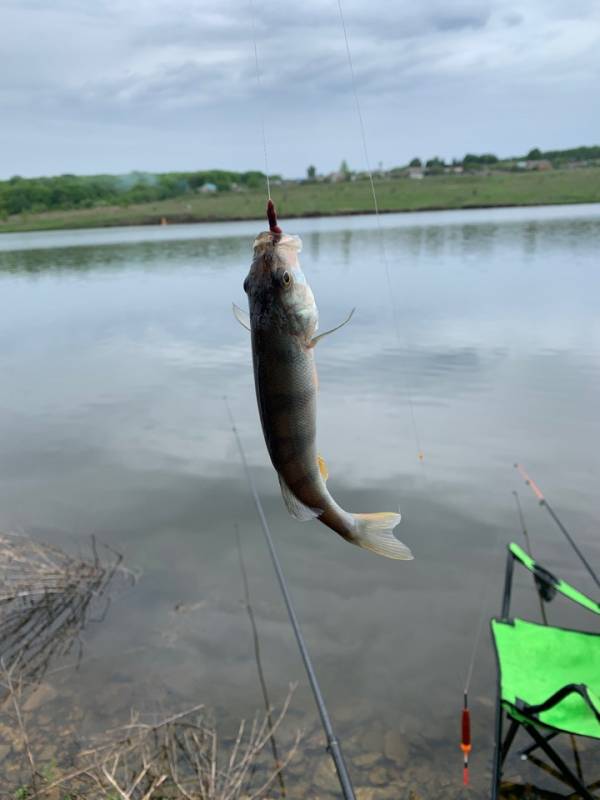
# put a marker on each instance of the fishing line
(465, 739)
(260, 96)
(334, 746)
(465, 743)
(543, 502)
(384, 257)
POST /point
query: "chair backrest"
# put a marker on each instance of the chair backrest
(545, 577)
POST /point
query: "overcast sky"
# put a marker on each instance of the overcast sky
(114, 85)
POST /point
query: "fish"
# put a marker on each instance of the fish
(283, 322)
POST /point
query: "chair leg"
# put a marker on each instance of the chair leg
(576, 757)
(527, 751)
(557, 760)
(497, 763)
(512, 731)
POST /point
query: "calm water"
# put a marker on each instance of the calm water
(116, 348)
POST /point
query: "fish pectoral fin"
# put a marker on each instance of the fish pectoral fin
(241, 316)
(296, 507)
(322, 467)
(315, 339)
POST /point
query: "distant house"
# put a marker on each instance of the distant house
(577, 164)
(208, 188)
(415, 173)
(540, 164)
(336, 177)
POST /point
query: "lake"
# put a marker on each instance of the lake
(116, 350)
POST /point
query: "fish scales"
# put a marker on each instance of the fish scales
(287, 397)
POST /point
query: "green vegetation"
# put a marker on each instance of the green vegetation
(445, 191)
(559, 157)
(34, 195)
(486, 159)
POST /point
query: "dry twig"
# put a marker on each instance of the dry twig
(180, 757)
(46, 597)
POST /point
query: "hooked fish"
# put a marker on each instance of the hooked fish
(283, 323)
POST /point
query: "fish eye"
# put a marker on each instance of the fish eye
(286, 278)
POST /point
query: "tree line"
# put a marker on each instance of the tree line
(472, 161)
(565, 156)
(33, 195)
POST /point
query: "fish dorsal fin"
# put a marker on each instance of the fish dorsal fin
(322, 467)
(315, 339)
(241, 316)
(296, 507)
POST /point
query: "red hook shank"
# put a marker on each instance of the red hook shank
(272, 217)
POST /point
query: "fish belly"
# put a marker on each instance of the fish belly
(286, 392)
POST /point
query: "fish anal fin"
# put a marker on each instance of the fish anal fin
(296, 507)
(322, 467)
(241, 316)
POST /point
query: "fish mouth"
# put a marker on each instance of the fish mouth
(282, 243)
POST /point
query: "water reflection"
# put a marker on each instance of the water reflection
(115, 257)
(113, 422)
(312, 245)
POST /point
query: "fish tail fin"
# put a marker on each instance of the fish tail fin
(375, 532)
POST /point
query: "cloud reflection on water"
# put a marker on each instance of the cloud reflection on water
(116, 356)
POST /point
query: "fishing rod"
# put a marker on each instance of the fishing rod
(543, 502)
(545, 593)
(334, 746)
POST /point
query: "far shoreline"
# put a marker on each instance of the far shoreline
(313, 201)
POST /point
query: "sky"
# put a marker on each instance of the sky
(90, 86)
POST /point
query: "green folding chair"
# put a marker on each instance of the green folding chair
(548, 678)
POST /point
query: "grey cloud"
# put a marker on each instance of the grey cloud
(162, 64)
(513, 18)
(452, 23)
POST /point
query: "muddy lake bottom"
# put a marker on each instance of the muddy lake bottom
(116, 349)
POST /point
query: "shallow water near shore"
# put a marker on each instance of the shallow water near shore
(116, 349)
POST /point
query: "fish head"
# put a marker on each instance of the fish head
(279, 296)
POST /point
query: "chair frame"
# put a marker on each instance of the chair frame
(544, 580)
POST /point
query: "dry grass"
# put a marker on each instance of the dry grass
(180, 757)
(46, 598)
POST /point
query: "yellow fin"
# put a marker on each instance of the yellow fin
(322, 467)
